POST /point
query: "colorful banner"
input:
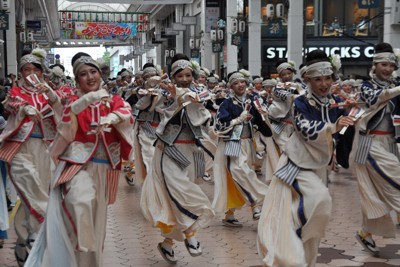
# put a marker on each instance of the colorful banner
(99, 30)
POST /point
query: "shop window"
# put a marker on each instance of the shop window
(346, 18)
(328, 18)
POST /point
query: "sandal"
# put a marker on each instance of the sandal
(371, 247)
(167, 256)
(194, 250)
(232, 223)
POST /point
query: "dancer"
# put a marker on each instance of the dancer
(146, 121)
(171, 200)
(375, 155)
(31, 126)
(297, 208)
(3, 202)
(235, 179)
(93, 139)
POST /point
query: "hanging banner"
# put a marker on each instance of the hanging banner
(101, 30)
(368, 3)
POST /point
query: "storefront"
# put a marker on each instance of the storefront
(347, 28)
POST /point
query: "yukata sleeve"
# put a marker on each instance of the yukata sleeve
(309, 129)
(66, 130)
(124, 126)
(14, 103)
(223, 119)
(311, 146)
(283, 100)
(143, 102)
(374, 97)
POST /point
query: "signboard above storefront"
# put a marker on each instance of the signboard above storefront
(345, 52)
(102, 30)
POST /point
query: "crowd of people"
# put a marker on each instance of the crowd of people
(268, 144)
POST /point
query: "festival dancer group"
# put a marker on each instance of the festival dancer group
(268, 144)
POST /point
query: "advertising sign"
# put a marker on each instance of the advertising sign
(101, 30)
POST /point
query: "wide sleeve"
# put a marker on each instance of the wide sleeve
(224, 118)
(374, 97)
(66, 130)
(311, 146)
(123, 110)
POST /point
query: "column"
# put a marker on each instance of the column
(391, 32)
(179, 37)
(295, 31)
(142, 42)
(11, 37)
(205, 41)
(231, 50)
(254, 23)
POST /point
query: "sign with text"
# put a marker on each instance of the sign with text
(101, 30)
(345, 52)
(27, 47)
(237, 40)
(217, 47)
(274, 28)
(3, 21)
(212, 15)
(368, 3)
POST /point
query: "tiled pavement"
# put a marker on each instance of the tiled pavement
(131, 241)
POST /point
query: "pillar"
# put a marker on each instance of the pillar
(231, 50)
(11, 37)
(254, 23)
(295, 32)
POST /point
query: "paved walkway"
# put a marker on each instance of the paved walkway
(131, 241)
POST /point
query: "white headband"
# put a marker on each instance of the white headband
(258, 80)
(180, 65)
(285, 66)
(322, 68)
(126, 73)
(149, 71)
(386, 57)
(269, 82)
(237, 76)
(84, 60)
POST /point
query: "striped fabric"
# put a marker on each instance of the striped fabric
(68, 173)
(232, 148)
(277, 127)
(393, 149)
(288, 172)
(198, 158)
(112, 185)
(364, 145)
(8, 151)
(148, 130)
(177, 156)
